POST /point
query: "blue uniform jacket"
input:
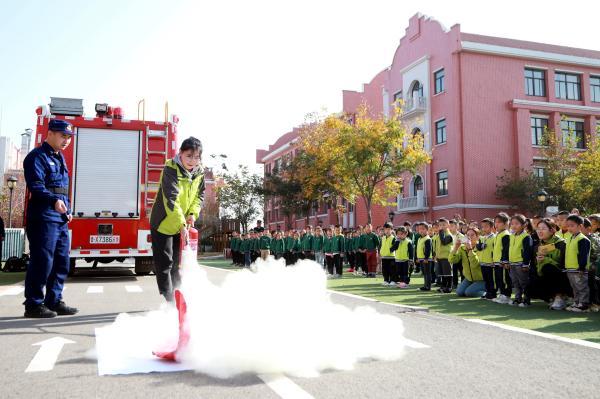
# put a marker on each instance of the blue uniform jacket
(45, 171)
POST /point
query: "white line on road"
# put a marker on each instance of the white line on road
(414, 344)
(95, 289)
(45, 358)
(133, 288)
(284, 387)
(537, 333)
(12, 290)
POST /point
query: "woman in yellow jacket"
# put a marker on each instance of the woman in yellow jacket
(465, 252)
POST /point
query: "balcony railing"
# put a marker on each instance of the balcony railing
(410, 204)
(414, 106)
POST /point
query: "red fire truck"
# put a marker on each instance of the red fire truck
(114, 168)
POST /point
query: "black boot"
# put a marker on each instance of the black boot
(62, 309)
(39, 312)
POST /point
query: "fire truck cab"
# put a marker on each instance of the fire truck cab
(114, 169)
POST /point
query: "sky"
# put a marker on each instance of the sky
(239, 74)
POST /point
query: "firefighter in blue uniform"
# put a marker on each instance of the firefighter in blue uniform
(48, 212)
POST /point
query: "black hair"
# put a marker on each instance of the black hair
(576, 218)
(453, 221)
(587, 223)
(407, 223)
(440, 220)
(401, 229)
(191, 143)
(520, 218)
(488, 221)
(563, 213)
(503, 217)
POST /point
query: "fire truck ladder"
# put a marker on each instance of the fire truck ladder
(151, 187)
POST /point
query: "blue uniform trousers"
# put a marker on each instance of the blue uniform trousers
(48, 268)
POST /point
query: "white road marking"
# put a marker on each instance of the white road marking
(284, 387)
(95, 289)
(414, 344)
(45, 358)
(537, 333)
(12, 290)
(133, 288)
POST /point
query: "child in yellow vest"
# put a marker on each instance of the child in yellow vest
(424, 255)
(520, 254)
(388, 264)
(502, 281)
(442, 243)
(485, 253)
(577, 263)
(404, 255)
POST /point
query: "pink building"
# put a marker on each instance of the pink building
(481, 104)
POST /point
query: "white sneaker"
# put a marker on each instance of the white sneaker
(558, 304)
(502, 299)
(385, 283)
(337, 276)
(393, 284)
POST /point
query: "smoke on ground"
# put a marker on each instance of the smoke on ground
(274, 319)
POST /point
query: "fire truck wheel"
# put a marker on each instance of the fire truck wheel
(143, 265)
(72, 266)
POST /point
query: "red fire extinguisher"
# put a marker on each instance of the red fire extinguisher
(189, 239)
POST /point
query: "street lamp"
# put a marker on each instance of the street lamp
(542, 195)
(11, 183)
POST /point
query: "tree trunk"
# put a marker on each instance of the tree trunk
(368, 206)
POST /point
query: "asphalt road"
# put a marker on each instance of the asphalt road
(450, 357)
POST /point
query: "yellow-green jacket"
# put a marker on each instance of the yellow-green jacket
(180, 195)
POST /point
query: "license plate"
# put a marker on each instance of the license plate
(105, 239)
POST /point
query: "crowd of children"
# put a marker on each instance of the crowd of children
(508, 260)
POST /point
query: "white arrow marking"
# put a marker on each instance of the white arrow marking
(46, 356)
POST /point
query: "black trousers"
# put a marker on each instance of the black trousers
(488, 279)
(503, 281)
(329, 262)
(426, 268)
(389, 270)
(457, 270)
(165, 251)
(337, 263)
(361, 261)
(446, 273)
(403, 273)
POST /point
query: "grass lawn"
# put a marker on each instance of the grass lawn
(11, 278)
(537, 317)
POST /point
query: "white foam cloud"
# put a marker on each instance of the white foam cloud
(277, 319)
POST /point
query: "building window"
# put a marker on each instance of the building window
(568, 86)
(417, 184)
(595, 88)
(439, 81)
(535, 82)
(572, 133)
(538, 126)
(397, 97)
(538, 172)
(440, 132)
(417, 90)
(442, 183)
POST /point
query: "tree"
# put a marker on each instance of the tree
(240, 195)
(583, 183)
(362, 158)
(519, 188)
(570, 176)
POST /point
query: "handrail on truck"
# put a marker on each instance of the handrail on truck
(142, 101)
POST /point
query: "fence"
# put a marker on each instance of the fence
(13, 244)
